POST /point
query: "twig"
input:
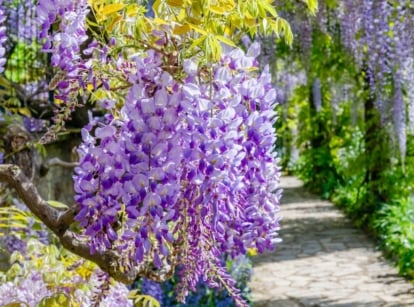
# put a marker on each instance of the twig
(58, 162)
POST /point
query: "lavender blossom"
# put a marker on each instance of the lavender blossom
(13, 243)
(29, 290)
(32, 124)
(64, 45)
(116, 295)
(399, 116)
(191, 163)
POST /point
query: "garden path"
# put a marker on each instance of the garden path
(323, 261)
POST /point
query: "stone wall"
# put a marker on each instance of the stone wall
(56, 183)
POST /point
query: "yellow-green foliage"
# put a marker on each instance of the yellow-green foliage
(141, 300)
(12, 217)
(57, 300)
(200, 26)
(57, 265)
(60, 270)
(196, 29)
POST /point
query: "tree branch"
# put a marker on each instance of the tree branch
(58, 162)
(26, 190)
(59, 221)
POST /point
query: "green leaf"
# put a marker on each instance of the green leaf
(175, 3)
(213, 47)
(217, 9)
(41, 149)
(25, 111)
(57, 300)
(226, 40)
(312, 5)
(269, 8)
(4, 82)
(198, 42)
(57, 204)
(143, 300)
(198, 29)
(181, 29)
(283, 28)
(16, 257)
(12, 224)
(222, 7)
(112, 8)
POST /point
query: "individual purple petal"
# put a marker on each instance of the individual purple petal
(111, 233)
(105, 132)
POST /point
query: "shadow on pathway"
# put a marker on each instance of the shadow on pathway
(323, 261)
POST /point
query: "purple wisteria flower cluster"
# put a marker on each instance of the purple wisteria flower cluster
(378, 35)
(185, 171)
(64, 45)
(21, 21)
(63, 29)
(29, 290)
(32, 288)
(3, 37)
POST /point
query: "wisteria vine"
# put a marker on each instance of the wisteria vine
(64, 47)
(181, 168)
(189, 166)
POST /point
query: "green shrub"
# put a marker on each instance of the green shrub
(395, 225)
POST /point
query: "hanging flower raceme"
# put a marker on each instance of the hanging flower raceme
(64, 45)
(185, 171)
(3, 37)
(63, 29)
(377, 37)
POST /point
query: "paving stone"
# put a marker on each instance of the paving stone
(324, 261)
(280, 303)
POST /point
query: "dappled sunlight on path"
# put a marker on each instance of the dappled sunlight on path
(324, 261)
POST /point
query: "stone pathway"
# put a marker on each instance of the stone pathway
(324, 261)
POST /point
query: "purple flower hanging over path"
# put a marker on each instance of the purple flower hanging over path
(185, 171)
(64, 45)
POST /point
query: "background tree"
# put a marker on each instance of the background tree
(361, 52)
